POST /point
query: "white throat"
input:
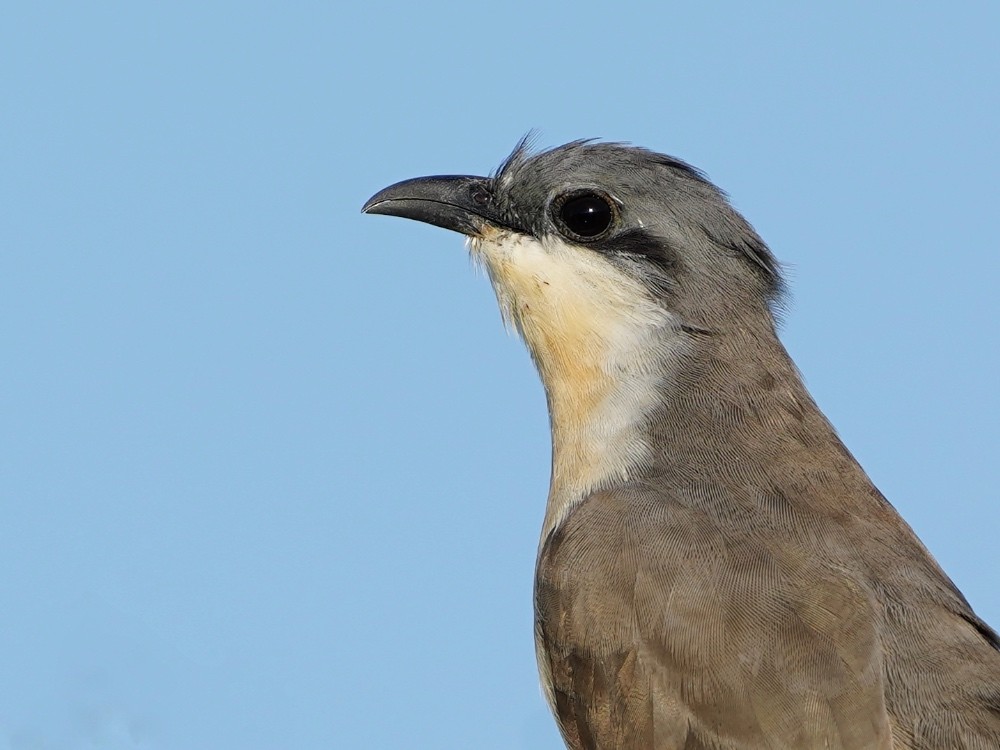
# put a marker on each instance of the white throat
(602, 345)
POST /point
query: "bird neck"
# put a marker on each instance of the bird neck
(737, 435)
(686, 412)
(634, 394)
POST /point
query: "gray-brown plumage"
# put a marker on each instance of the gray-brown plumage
(716, 570)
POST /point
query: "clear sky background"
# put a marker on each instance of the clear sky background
(272, 474)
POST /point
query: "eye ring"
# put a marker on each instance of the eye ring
(584, 215)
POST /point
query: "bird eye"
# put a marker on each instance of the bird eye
(586, 216)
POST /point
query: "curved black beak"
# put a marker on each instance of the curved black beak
(458, 202)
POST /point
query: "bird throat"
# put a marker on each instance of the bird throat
(602, 346)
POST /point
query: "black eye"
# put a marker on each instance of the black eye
(585, 215)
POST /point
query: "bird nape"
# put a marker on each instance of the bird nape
(715, 569)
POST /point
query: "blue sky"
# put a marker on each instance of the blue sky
(272, 474)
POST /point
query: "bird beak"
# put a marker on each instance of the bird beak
(457, 202)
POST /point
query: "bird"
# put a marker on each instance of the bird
(715, 569)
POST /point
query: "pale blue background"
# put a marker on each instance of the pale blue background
(272, 473)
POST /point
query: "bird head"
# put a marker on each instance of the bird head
(627, 273)
(622, 217)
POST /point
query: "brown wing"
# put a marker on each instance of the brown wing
(658, 629)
